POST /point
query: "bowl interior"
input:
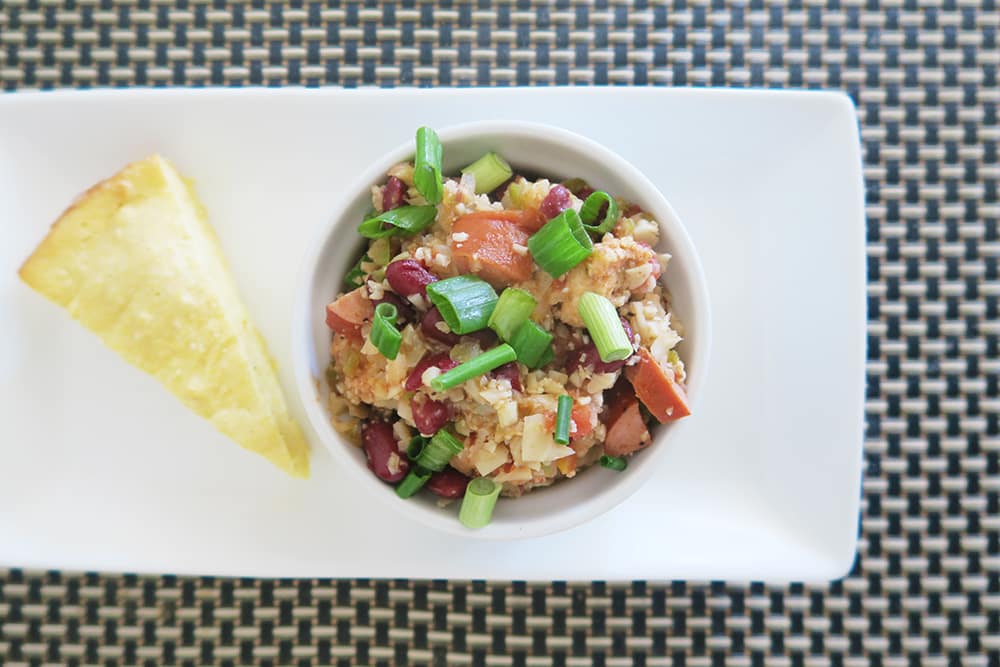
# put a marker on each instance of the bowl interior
(536, 150)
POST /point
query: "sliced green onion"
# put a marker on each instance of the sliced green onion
(513, 309)
(617, 463)
(561, 244)
(477, 506)
(427, 165)
(592, 209)
(530, 342)
(405, 219)
(605, 327)
(547, 357)
(417, 444)
(491, 171)
(439, 450)
(563, 413)
(384, 334)
(465, 302)
(356, 277)
(413, 482)
(480, 365)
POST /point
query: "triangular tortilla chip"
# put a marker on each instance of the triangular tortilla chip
(135, 261)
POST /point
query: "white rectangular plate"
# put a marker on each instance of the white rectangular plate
(102, 469)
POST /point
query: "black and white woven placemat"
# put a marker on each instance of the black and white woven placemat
(926, 586)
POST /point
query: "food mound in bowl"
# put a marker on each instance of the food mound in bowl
(500, 333)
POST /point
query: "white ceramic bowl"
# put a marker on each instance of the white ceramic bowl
(534, 149)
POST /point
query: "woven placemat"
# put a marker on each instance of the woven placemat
(926, 586)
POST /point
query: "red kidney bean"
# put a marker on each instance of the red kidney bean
(408, 277)
(393, 194)
(583, 191)
(485, 337)
(379, 443)
(429, 415)
(442, 360)
(404, 309)
(607, 366)
(582, 357)
(429, 327)
(557, 201)
(587, 355)
(449, 483)
(511, 372)
(632, 209)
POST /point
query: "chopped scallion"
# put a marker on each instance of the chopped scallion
(427, 165)
(530, 342)
(513, 309)
(384, 334)
(465, 302)
(563, 413)
(413, 482)
(561, 244)
(417, 444)
(356, 277)
(480, 365)
(591, 211)
(438, 451)
(605, 327)
(477, 506)
(491, 171)
(405, 220)
(547, 357)
(617, 463)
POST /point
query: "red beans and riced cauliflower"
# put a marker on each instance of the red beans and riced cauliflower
(501, 327)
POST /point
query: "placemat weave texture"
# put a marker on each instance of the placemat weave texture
(926, 587)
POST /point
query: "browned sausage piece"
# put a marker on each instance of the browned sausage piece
(349, 312)
(627, 432)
